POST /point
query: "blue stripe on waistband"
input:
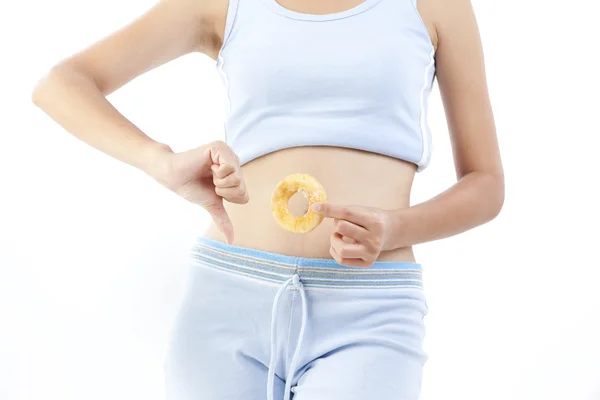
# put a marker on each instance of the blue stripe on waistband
(315, 272)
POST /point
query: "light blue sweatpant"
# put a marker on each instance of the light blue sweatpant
(256, 325)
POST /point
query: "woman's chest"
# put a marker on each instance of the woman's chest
(318, 62)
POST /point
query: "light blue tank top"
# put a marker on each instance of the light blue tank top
(358, 79)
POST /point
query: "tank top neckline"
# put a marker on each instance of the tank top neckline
(286, 12)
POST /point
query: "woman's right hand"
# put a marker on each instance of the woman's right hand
(206, 176)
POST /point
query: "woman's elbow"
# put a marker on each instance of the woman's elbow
(43, 86)
(52, 83)
(38, 90)
(494, 194)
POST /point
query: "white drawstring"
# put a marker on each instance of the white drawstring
(296, 357)
(295, 279)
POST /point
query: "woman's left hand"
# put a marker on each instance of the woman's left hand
(360, 234)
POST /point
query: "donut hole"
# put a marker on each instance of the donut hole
(298, 204)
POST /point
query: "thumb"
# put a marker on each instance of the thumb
(204, 162)
(219, 215)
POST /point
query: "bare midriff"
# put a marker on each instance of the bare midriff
(349, 177)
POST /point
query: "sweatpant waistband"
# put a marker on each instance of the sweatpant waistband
(313, 272)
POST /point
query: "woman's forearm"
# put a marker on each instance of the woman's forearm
(474, 200)
(75, 102)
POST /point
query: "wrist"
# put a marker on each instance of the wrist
(154, 160)
(397, 237)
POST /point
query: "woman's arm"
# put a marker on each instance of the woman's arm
(73, 92)
(478, 195)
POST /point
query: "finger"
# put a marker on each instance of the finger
(221, 218)
(357, 215)
(347, 250)
(335, 255)
(238, 194)
(222, 170)
(230, 180)
(350, 230)
(221, 153)
(348, 262)
(349, 240)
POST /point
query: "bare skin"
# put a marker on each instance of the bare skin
(368, 213)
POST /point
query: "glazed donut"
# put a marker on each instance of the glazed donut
(312, 191)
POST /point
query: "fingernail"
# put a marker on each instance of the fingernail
(316, 207)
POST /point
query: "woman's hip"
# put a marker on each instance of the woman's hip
(273, 317)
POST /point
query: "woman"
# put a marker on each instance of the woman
(337, 90)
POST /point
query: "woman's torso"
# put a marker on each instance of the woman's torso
(350, 177)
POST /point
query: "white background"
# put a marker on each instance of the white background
(92, 256)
